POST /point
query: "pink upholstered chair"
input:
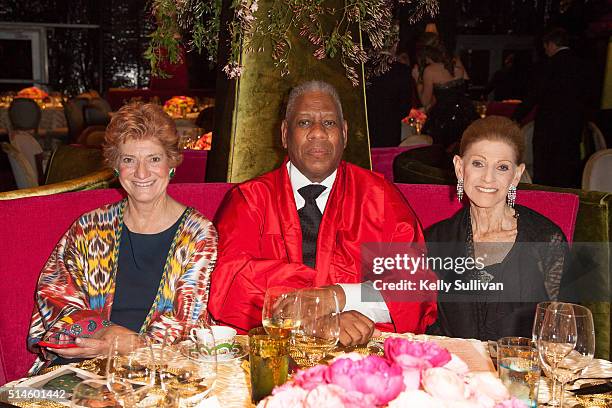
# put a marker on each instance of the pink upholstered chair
(433, 203)
(193, 167)
(32, 226)
(382, 159)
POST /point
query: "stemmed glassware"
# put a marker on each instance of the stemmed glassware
(280, 314)
(130, 369)
(562, 364)
(188, 370)
(558, 336)
(319, 325)
(535, 335)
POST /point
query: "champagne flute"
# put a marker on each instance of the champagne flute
(557, 339)
(574, 363)
(280, 312)
(319, 328)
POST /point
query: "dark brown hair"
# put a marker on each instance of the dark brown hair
(141, 121)
(430, 46)
(494, 128)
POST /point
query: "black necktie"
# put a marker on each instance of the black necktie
(310, 218)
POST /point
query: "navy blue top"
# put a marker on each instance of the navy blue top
(142, 260)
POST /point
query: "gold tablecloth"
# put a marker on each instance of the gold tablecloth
(232, 385)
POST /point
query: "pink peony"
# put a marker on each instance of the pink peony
(325, 395)
(285, 396)
(444, 384)
(457, 365)
(310, 378)
(489, 385)
(511, 403)
(331, 395)
(372, 375)
(415, 355)
(415, 399)
(412, 379)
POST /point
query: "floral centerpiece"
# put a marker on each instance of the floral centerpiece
(32, 93)
(179, 105)
(415, 374)
(204, 142)
(415, 118)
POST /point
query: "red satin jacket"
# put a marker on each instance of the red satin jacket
(260, 244)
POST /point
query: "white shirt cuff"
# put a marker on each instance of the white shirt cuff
(377, 311)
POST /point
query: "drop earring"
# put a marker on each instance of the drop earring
(459, 190)
(172, 171)
(511, 198)
(116, 172)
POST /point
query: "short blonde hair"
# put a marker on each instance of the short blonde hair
(494, 128)
(141, 121)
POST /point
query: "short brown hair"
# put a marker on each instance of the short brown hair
(496, 128)
(139, 121)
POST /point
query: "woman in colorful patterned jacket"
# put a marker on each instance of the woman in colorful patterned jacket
(139, 265)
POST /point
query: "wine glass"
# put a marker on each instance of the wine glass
(280, 312)
(535, 335)
(130, 369)
(319, 324)
(557, 339)
(574, 363)
(188, 370)
(93, 393)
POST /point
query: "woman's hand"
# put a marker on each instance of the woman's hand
(92, 347)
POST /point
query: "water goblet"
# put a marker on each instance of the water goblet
(130, 368)
(319, 324)
(280, 312)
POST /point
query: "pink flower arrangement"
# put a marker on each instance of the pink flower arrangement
(415, 374)
(415, 115)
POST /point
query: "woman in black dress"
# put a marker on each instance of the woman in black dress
(520, 249)
(442, 85)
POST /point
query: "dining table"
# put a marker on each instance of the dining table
(232, 386)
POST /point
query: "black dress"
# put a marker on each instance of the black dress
(530, 273)
(451, 114)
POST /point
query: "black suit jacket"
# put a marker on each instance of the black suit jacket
(389, 101)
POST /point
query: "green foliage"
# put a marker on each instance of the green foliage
(195, 24)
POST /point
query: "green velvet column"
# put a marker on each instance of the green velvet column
(249, 110)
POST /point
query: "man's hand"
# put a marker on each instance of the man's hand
(356, 329)
(340, 295)
(92, 347)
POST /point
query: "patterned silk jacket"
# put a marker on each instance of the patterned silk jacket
(77, 284)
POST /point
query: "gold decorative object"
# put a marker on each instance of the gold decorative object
(595, 400)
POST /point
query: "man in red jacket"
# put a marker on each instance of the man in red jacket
(303, 225)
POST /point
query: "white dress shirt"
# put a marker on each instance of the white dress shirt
(376, 311)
